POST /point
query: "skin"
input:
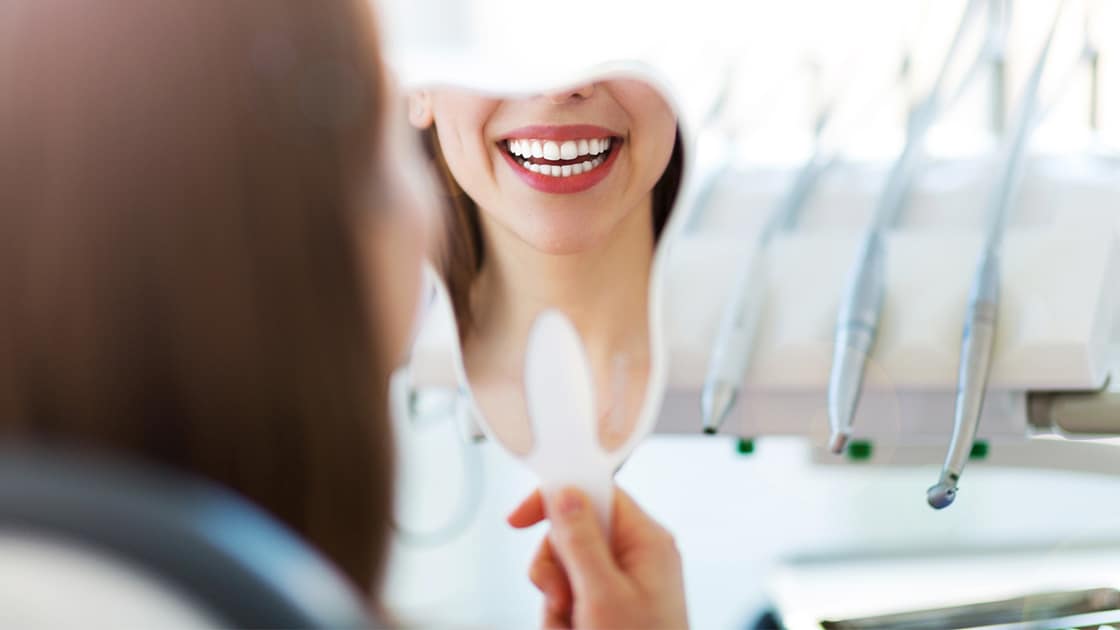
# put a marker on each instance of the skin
(398, 236)
(588, 254)
(630, 579)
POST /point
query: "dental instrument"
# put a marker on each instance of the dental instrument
(980, 322)
(860, 310)
(732, 348)
(734, 339)
(997, 72)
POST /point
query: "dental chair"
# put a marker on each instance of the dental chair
(90, 541)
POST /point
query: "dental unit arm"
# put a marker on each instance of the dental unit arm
(1056, 334)
(980, 322)
(860, 311)
(731, 352)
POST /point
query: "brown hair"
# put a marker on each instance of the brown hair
(181, 186)
(461, 256)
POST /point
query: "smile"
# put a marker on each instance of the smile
(561, 159)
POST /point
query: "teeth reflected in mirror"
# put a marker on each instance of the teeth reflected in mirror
(555, 200)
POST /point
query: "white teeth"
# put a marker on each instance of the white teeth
(594, 148)
(566, 150)
(566, 170)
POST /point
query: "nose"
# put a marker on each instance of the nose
(577, 93)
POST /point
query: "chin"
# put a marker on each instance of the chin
(564, 241)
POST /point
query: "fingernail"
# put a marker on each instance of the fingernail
(569, 503)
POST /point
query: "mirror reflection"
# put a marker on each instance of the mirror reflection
(555, 200)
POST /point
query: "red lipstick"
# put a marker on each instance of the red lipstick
(596, 166)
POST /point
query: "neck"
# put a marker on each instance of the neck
(604, 290)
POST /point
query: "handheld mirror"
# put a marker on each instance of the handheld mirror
(559, 205)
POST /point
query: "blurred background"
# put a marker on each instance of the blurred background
(736, 515)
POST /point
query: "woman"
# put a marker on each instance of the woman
(558, 200)
(209, 257)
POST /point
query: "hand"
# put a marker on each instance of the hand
(631, 581)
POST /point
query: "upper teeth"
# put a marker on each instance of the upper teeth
(566, 150)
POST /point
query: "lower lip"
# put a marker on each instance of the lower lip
(565, 185)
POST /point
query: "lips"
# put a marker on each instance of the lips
(561, 159)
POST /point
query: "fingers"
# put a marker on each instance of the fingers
(547, 574)
(631, 526)
(553, 620)
(580, 545)
(637, 537)
(529, 512)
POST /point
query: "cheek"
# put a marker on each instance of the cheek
(461, 121)
(466, 157)
(653, 152)
(661, 126)
(394, 255)
(653, 124)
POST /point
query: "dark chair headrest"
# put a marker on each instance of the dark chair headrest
(232, 558)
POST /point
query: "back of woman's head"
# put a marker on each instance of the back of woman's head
(181, 183)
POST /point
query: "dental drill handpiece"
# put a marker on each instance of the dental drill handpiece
(857, 321)
(978, 340)
(735, 337)
(976, 359)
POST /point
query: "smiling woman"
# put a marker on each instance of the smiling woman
(558, 201)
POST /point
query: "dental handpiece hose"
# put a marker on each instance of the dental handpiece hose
(978, 339)
(734, 339)
(857, 321)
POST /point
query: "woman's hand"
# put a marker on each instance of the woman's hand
(631, 581)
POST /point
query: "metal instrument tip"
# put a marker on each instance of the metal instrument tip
(941, 495)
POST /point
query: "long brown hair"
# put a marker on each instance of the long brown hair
(181, 183)
(462, 252)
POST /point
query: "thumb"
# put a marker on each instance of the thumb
(580, 544)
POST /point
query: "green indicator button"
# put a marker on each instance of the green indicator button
(859, 450)
(979, 450)
(745, 446)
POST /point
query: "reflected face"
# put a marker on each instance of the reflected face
(560, 171)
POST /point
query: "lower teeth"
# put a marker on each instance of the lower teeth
(564, 171)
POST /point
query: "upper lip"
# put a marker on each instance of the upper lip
(559, 132)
